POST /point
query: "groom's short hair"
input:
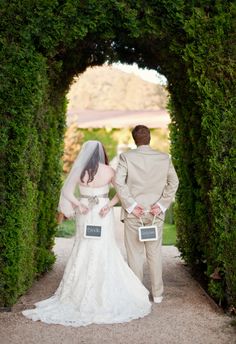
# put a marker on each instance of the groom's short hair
(141, 135)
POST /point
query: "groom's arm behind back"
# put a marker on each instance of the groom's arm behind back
(171, 187)
(120, 183)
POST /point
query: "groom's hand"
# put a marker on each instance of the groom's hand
(155, 210)
(138, 210)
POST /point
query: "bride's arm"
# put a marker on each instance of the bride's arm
(103, 212)
(116, 198)
(111, 203)
(114, 201)
(68, 202)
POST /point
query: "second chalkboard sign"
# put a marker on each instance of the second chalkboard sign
(148, 233)
(93, 231)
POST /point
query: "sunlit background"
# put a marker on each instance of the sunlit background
(105, 103)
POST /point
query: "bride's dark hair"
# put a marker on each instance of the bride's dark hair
(105, 155)
(92, 165)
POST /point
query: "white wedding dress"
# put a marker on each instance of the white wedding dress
(97, 286)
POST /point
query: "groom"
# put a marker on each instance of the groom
(145, 180)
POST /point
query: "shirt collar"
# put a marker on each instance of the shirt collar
(143, 147)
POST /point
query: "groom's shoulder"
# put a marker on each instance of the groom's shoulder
(129, 153)
(162, 155)
(148, 151)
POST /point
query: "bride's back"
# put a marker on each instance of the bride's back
(102, 177)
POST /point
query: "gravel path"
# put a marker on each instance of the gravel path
(186, 315)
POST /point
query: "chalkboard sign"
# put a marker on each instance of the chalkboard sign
(93, 231)
(148, 233)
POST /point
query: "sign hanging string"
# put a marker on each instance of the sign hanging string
(154, 218)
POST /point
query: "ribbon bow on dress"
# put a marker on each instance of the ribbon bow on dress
(93, 200)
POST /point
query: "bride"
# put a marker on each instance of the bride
(97, 286)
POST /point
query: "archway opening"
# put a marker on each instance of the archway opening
(105, 103)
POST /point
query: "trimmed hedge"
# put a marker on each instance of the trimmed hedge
(203, 137)
(43, 45)
(30, 150)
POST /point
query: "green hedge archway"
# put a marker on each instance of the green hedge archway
(43, 46)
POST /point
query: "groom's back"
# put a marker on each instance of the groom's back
(147, 174)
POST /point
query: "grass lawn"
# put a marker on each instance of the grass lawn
(169, 234)
(67, 229)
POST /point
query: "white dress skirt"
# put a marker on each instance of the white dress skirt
(97, 287)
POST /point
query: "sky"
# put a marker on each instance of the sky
(146, 74)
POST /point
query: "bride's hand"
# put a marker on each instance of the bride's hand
(104, 211)
(83, 209)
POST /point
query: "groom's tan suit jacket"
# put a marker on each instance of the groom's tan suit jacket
(145, 176)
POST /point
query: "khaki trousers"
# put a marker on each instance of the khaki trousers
(136, 251)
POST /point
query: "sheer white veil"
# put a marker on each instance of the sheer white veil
(68, 202)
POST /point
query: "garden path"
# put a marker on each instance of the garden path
(186, 315)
